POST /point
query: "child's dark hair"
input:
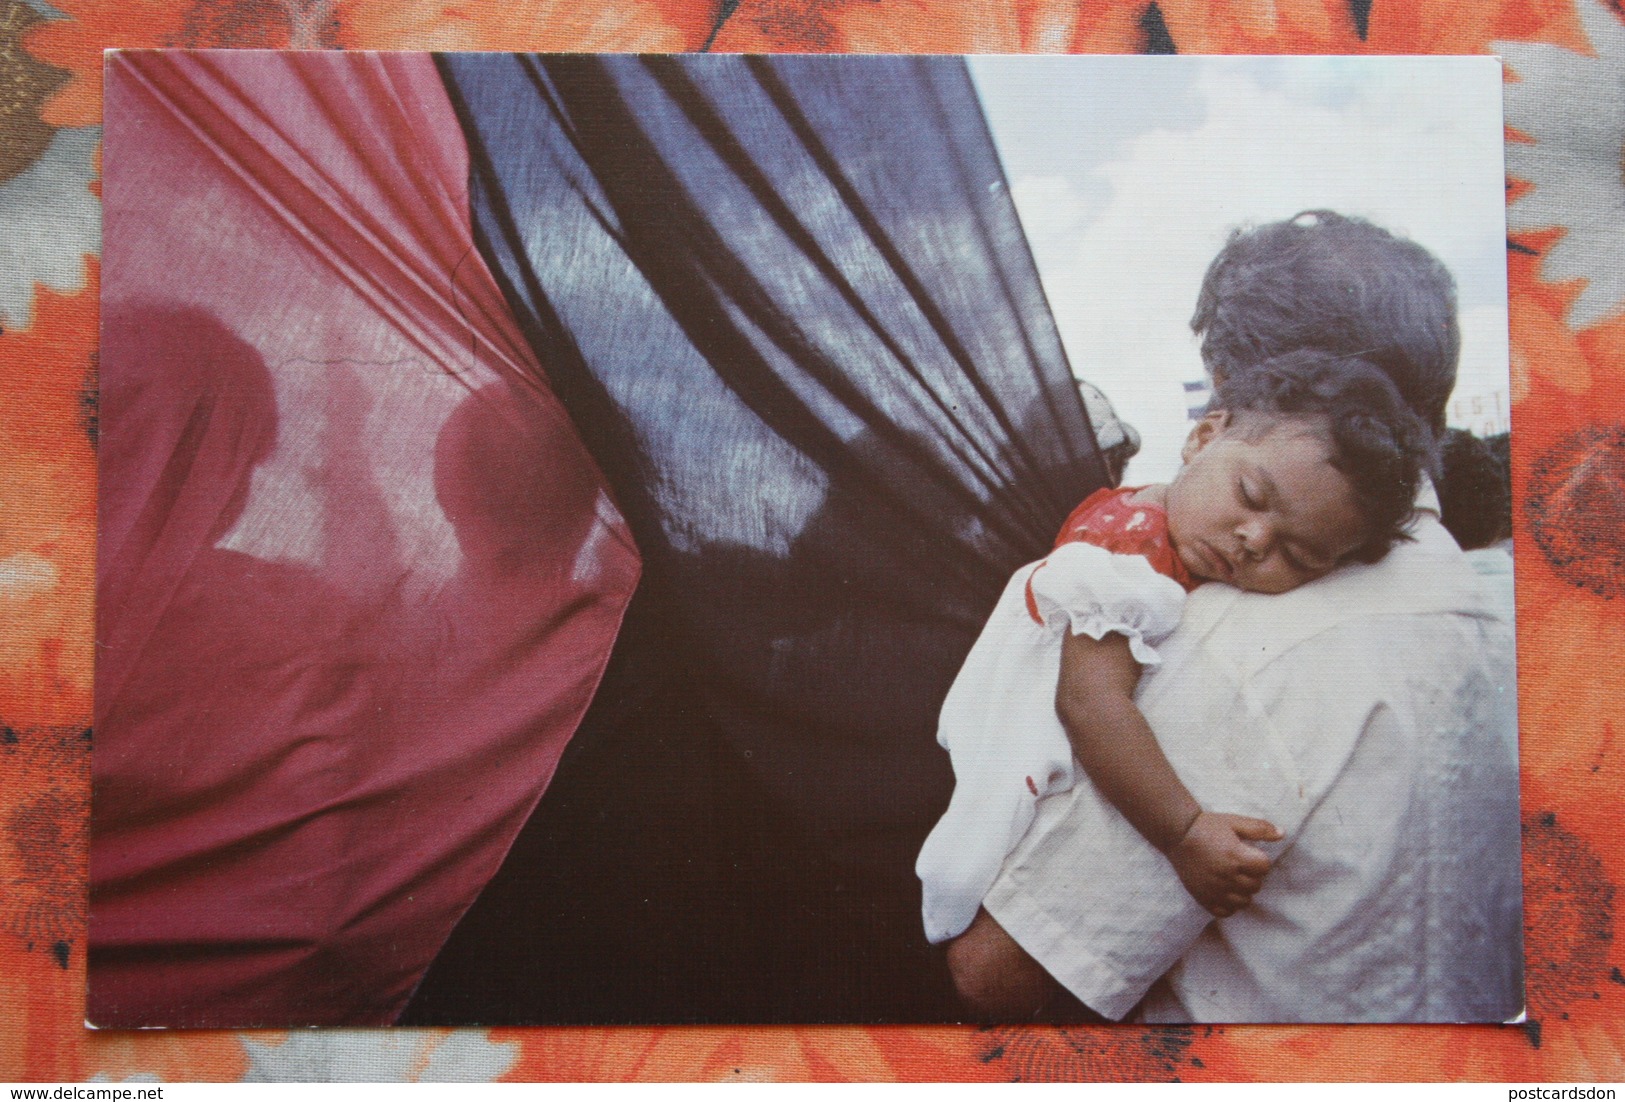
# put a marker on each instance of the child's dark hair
(1324, 280)
(1377, 441)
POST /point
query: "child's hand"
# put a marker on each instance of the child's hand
(1216, 864)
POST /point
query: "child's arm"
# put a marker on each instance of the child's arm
(1116, 747)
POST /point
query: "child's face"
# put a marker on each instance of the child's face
(1264, 510)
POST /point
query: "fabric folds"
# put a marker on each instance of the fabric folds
(999, 724)
(358, 577)
(1091, 591)
(789, 305)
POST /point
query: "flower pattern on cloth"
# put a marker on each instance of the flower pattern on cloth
(1571, 107)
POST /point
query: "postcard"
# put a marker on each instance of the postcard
(696, 539)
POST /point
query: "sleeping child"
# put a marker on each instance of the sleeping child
(1309, 461)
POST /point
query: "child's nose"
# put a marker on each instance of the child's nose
(1255, 534)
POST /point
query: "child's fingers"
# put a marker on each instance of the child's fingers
(1245, 882)
(1252, 861)
(1255, 830)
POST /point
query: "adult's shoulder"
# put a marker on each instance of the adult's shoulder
(1422, 579)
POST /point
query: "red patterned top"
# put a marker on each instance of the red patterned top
(1112, 519)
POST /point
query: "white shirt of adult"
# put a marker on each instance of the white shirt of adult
(1370, 715)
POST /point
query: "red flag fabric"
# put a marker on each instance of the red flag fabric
(358, 576)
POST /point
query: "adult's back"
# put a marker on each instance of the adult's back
(1370, 716)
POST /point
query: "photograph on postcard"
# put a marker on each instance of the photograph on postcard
(610, 539)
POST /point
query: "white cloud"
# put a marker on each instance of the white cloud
(1412, 144)
(1053, 209)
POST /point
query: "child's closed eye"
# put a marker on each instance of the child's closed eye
(1250, 497)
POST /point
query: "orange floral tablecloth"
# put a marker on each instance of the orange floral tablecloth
(1565, 103)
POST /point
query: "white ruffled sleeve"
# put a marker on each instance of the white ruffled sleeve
(1091, 591)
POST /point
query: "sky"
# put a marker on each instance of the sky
(1129, 173)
